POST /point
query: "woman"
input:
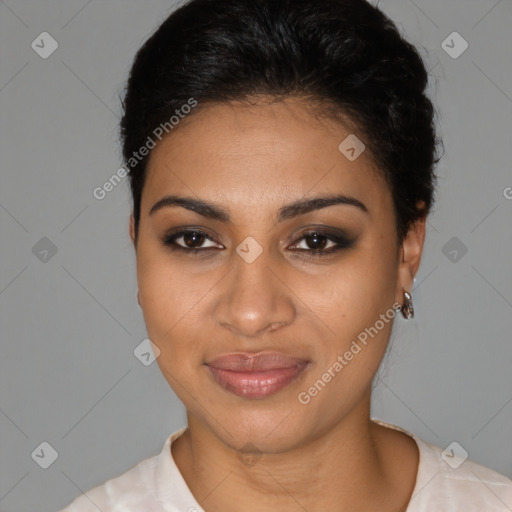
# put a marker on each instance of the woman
(281, 157)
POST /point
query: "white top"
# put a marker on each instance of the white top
(444, 482)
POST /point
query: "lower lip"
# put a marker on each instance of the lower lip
(256, 384)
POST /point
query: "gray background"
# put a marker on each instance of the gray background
(70, 321)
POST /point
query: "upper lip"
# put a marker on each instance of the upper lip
(247, 362)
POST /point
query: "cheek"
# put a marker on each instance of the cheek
(173, 299)
(360, 316)
(167, 291)
(353, 294)
(355, 302)
(162, 291)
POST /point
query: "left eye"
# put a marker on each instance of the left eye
(318, 243)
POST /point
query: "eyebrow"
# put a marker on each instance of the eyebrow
(291, 210)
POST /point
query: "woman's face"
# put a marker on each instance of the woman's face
(255, 285)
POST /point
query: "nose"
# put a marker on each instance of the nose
(255, 298)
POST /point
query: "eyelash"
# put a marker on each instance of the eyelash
(341, 241)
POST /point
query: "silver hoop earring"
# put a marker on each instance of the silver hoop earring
(407, 308)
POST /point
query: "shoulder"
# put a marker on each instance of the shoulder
(448, 480)
(134, 490)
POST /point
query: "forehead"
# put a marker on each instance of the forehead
(260, 156)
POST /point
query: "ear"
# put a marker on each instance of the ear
(132, 230)
(410, 257)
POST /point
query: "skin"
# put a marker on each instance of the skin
(251, 160)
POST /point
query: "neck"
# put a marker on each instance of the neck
(348, 468)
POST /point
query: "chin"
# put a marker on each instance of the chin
(275, 430)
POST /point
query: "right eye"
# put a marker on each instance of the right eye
(191, 241)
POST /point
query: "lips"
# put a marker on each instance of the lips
(255, 375)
